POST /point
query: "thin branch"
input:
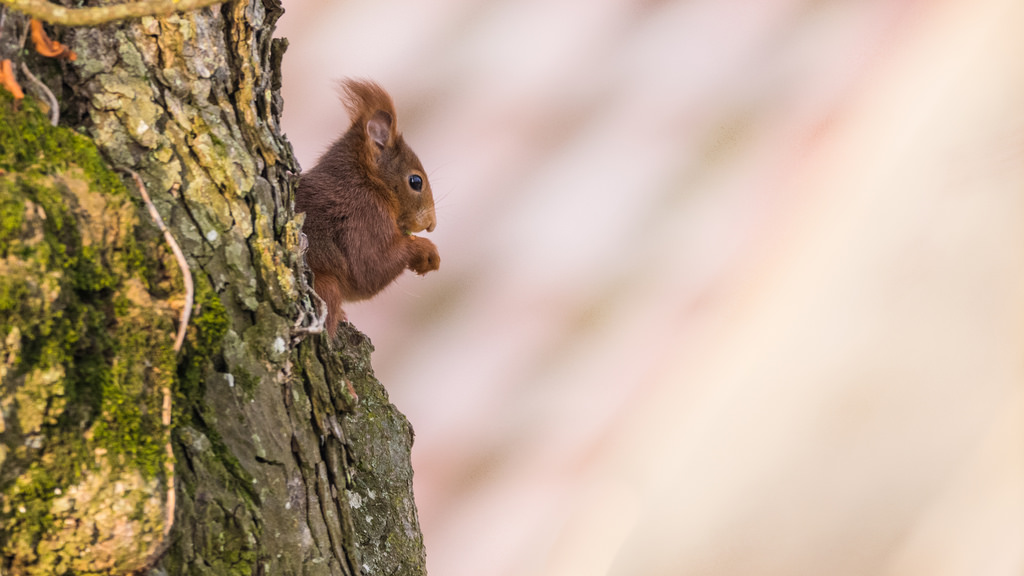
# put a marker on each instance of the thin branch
(165, 542)
(169, 462)
(24, 32)
(94, 15)
(186, 272)
(166, 412)
(54, 108)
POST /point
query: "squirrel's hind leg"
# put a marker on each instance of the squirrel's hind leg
(329, 289)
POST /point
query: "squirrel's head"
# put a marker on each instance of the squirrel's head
(388, 158)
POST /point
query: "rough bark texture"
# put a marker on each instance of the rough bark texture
(279, 468)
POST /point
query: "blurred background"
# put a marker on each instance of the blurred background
(727, 287)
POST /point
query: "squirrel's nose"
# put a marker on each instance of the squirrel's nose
(430, 221)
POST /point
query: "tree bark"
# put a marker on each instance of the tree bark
(287, 456)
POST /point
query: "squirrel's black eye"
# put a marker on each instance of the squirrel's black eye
(415, 182)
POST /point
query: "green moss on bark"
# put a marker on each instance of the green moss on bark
(86, 353)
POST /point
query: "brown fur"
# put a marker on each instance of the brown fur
(360, 208)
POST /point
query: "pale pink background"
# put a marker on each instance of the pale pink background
(726, 287)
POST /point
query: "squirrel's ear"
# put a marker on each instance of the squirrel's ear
(378, 128)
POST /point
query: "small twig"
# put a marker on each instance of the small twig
(54, 107)
(165, 542)
(169, 470)
(186, 272)
(169, 463)
(166, 411)
(94, 15)
(24, 34)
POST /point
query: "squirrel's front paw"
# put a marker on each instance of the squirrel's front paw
(425, 257)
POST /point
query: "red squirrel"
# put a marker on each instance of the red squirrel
(364, 200)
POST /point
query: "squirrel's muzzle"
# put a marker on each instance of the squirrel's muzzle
(422, 220)
(426, 219)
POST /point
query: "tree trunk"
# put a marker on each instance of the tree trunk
(287, 456)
